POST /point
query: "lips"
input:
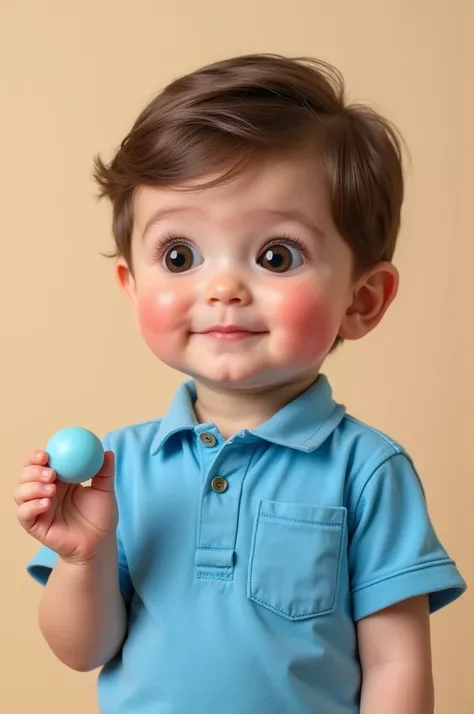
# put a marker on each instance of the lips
(230, 332)
(226, 329)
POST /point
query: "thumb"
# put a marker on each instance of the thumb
(104, 479)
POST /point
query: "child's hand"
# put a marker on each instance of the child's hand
(70, 519)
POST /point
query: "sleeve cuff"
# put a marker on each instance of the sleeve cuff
(441, 581)
(41, 565)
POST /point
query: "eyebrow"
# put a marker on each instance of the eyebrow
(162, 214)
(293, 215)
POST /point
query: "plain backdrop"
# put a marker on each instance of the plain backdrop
(73, 78)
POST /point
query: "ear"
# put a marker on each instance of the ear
(126, 280)
(371, 297)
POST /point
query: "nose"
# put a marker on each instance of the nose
(227, 288)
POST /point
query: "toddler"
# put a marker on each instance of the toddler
(257, 550)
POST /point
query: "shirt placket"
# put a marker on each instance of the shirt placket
(224, 465)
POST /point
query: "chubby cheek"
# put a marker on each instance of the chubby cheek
(161, 317)
(304, 322)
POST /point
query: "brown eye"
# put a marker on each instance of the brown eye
(181, 257)
(279, 258)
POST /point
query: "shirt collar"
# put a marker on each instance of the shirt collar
(303, 424)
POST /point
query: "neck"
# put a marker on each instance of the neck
(233, 409)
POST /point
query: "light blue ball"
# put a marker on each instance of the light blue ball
(76, 454)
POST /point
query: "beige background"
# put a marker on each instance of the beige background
(73, 76)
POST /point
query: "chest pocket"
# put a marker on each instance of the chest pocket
(295, 558)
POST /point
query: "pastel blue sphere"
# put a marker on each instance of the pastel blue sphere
(76, 454)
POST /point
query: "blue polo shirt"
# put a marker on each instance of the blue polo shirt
(246, 563)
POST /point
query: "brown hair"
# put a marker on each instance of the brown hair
(223, 116)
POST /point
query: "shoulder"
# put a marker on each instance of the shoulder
(372, 456)
(132, 446)
(369, 442)
(136, 438)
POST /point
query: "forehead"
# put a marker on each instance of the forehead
(293, 185)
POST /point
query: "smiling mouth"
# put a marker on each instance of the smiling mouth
(230, 333)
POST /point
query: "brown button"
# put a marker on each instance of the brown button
(219, 484)
(208, 439)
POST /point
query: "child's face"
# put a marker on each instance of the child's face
(242, 285)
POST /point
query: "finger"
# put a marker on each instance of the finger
(28, 512)
(33, 490)
(104, 479)
(37, 473)
(38, 458)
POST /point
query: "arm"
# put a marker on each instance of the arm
(82, 614)
(395, 654)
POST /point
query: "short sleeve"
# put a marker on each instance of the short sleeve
(44, 560)
(394, 552)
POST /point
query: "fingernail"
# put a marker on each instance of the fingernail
(45, 473)
(39, 454)
(49, 487)
(43, 501)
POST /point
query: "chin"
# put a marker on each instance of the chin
(230, 380)
(225, 376)
(250, 378)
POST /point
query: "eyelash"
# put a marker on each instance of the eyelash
(294, 242)
(167, 242)
(171, 239)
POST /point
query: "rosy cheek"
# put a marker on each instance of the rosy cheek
(304, 322)
(160, 317)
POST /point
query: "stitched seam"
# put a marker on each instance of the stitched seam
(251, 458)
(396, 447)
(379, 466)
(254, 539)
(287, 614)
(203, 473)
(230, 568)
(208, 576)
(403, 571)
(321, 425)
(282, 612)
(300, 520)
